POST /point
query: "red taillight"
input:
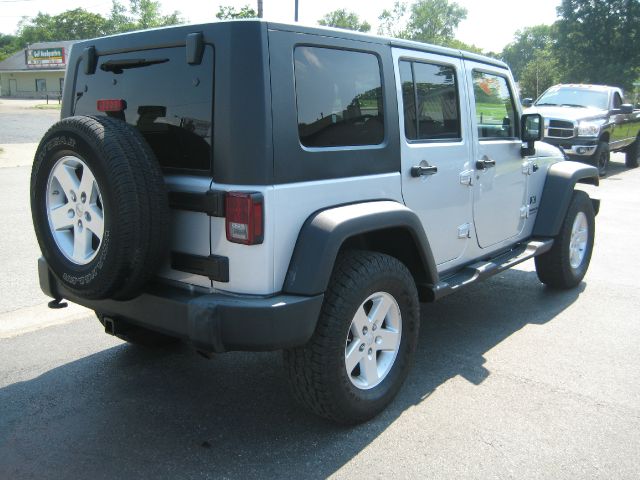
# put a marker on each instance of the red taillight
(244, 214)
(111, 105)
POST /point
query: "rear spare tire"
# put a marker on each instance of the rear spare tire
(99, 206)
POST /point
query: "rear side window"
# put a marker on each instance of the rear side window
(495, 111)
(430, 101)
(339, 97)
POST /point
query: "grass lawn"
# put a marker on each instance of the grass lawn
(48, 106)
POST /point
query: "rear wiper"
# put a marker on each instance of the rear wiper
(573, 105)
(117, 66)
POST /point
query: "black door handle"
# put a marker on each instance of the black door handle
(422, 170)
(485, 163)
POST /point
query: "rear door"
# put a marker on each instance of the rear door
(170, 103)
(436, 148)
(500, 193)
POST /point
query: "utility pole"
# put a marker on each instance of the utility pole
(296, 16)
(259, 8)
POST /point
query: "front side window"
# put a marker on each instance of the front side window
(430, 101)
(339, 97)
(495, 113)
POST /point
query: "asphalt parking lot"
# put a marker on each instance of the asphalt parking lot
(511, 380)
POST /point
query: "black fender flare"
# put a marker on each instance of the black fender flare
(561, 180)
(324, 233)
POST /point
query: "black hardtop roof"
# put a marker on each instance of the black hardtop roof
(168, 36)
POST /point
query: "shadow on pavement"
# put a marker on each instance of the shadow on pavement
(130, 412)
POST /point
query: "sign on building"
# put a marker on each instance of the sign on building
(45, 57)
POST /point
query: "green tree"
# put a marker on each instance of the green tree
(8, 45)
(70, 25)
(139, 15)
(230, 13)
(599, 41)
(540, 73)
(526, 45)
(343, 18)
(431, 21)
(393, 22)
(435, 21)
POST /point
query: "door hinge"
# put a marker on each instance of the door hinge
(466, 177)
(524, 211)
(464, 231)
(210, 202)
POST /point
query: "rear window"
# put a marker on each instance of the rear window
(339, 97)
(169, 101)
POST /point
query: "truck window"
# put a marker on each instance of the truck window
(495, 111)
(617, 100)
(430, 101)
(339, 97)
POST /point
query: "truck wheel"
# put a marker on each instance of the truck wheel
(138, 335)
(601, 158)
(633, 154)
(565, 265)
(99, 207)
(364, 342)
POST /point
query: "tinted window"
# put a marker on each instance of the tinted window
(169, 102)
(339, 97)
(495, 113)
(430, 98)
(617, 100)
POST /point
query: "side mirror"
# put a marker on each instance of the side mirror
(626, 108)
(531, 130)
(527, 102)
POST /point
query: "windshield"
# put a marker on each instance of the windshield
(574, 97)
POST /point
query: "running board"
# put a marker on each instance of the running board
(484, 269)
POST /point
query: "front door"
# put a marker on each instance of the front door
(13, 86)
(500, 193)
(436, 149)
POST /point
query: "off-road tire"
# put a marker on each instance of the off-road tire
(136, 218)
(601, 158)
(554, 267)
(137, 335)
(632, 155)
(317, 372)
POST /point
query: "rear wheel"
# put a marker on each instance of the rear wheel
(632, 157)
(364, 342)
(565, 265)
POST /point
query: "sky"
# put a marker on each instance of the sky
(490, 24)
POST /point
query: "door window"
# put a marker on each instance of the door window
(339, 97)
(430, 98)
(617, 100)
(495, 111)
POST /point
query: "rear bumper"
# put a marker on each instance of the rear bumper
(211, 322)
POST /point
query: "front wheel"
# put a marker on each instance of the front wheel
(601, 158)
(364, 342)
(565, 265)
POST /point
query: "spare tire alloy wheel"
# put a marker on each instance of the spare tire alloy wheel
(75, 210)
(373, 341)
(99, 206)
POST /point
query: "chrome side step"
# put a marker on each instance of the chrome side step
(484, 269)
